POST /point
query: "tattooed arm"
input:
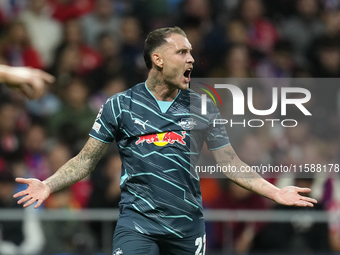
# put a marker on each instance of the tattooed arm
(73, 171)
(250, 180)
(78, 167)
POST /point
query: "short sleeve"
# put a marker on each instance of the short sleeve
(216, 136)
(105, 125)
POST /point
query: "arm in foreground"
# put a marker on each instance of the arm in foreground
(73, 171)
(254, 182)
(29, 80)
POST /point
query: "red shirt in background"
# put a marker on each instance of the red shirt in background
(74, 9)
(23, 57)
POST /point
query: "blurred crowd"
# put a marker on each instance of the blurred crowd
(94, 48)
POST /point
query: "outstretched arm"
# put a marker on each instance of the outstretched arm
(29, 80)
(253, 181)
(73, 171)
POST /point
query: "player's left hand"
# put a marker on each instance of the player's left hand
(290, 196)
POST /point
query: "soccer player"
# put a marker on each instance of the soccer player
(159, 132)
(29, 80)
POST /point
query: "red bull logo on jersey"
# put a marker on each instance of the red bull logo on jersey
(163, 139)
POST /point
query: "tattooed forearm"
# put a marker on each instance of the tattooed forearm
(224, 162)
(229, 154)
(78, 167)
(247, 179)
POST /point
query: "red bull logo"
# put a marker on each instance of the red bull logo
(162, 139)
(148, 139)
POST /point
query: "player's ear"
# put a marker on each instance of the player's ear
(157, 59)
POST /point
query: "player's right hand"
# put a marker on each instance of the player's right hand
(36, 191)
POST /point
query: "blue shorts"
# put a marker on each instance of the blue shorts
(127, 241)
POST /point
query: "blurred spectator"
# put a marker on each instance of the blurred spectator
(329, 39)
(22, 119)
(19, 168)
(63, 235)
(134, 68)
(3, 164)
(254, 150)
(44, 107)
(314, 153)
(34, 152)
(231, 5)
(279, 64)
(327, 90)
(327, 58)
(64, 10)
(300, 236)
(58, 156)
(279, 10)
(200, 9)
(10, 139)
(202, 16)
(112, 64)
(124, 7)
(332, 22)
(88, 58)
(236, 63)
(108, 46)
(262, 35)
(131, 32)
(112, 87)
(106, 191)
(18, 237)
(237, 32)
(62, 199)
(239, 235)
(211, 189)
(289, 144)
(66, 67)
(9, 9)
(331, 5)
(334, 225)
(210, 184)
(195, 34)
(17, 48)
(303, 28)
(102, 19)
(10, 231)
(74, 120)
(152, 13)
(44, 32)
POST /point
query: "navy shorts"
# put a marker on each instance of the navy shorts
(127, 241)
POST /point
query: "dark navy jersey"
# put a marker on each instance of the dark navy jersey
(160, 191)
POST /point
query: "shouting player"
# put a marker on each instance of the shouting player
(159, 142)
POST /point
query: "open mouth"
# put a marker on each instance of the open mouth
(187, 74)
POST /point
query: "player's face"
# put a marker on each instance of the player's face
(177, 61)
